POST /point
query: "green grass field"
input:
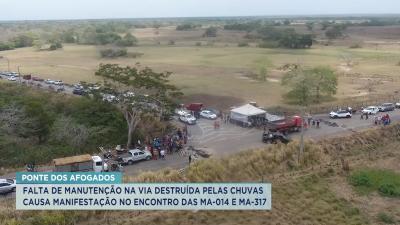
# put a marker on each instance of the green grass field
(216, 70)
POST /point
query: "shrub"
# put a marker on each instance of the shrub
(171, 42)
(355, 46)
(6, 46)
(243, 44)
(269, 44)
(386, 182)
(199, 44)
(187, 26)
(135, 54)
(360, 180)
(386, 218)
(210, 32)
(113, 52)
(389, 190)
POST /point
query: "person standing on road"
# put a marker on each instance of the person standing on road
(318, 121)
(309, 118)
(190, 159)
(162, 153)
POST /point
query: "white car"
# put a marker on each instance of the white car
(48, 81)
(7, 186)
(129, 94)
(208, 114)
(370, 110)
(136, 155)
(340, 114)
(188, 119)
(12, 78)
(181, 112)
(58, 82)
(94, 87)
(110, 98)
(397, 105)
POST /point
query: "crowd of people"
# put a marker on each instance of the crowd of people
(168, 144)
(379, 120)
(311, 122)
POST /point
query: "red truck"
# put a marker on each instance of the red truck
(287, 125)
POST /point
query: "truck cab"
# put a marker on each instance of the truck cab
(98, 165)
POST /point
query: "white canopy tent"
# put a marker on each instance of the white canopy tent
(243, 114)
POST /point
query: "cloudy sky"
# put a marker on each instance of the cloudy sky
(96, 9)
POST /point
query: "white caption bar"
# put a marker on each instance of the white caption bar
(149, 196)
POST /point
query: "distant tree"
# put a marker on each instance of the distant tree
(150, 92)
(300, 85)
(310, 26)
(287, 22)
(243, 44)
(325, 82)
(6, 46)
(23, 40)
(186, 26)
(38, 44)
(107, 38)
(325, 25)
(171, 42)
(309, 85)
(55, 44)
(248, 27)
(128, 40)
(263, 74)
(211, 32)
(113, 52)
(334, 32)
(291, 39)
(66, 130)
(68, 36)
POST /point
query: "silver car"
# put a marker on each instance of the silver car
(7, 186)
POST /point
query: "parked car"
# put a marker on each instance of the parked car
(135, 155)
(129, 94)
(7, 186)
(58, 82)
(48, 81)
(370, 110)
(215, 111)
(208, 114)
(15, 74)
(274, 137)
(60, 89)
(188, 119)
(386, 107)
(78, 91)
(340, 114)
(181, 112)
(94, 87)
(12, 78)
(110, 98)
(37, 79)
(397, 105)
(78, 86)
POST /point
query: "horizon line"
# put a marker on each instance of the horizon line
(355, 15)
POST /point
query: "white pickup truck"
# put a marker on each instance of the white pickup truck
(135, 155)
